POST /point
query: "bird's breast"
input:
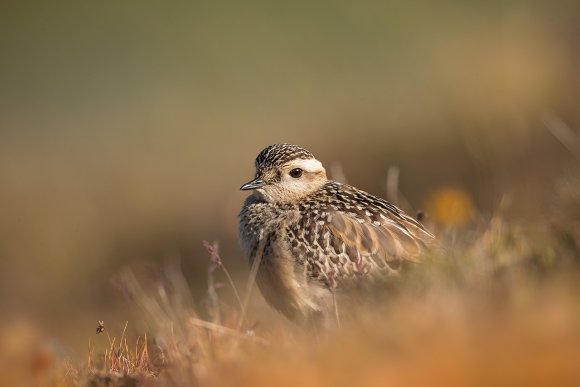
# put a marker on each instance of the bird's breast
(259, 222)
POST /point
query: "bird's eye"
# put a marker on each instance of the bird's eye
(296, 173)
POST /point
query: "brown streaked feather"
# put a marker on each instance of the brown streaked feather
(387, 241)
(356, 233)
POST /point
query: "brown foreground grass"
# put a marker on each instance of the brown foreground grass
(497, 305)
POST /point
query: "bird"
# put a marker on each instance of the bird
(308, 236)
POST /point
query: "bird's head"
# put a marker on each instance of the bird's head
(285, 174)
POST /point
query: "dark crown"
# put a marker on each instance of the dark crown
(279, 154)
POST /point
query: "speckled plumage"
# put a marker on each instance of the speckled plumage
(312, 235)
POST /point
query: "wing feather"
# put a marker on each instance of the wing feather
(354, 232)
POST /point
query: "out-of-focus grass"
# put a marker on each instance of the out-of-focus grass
(496, 304)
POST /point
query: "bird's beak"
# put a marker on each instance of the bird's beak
(256, 183)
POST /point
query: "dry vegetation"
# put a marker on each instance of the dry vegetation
(496, 305)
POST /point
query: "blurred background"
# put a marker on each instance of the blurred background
(126, 128)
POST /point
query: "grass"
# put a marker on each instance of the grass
(495, 305)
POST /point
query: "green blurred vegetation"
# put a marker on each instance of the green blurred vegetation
(127, 127)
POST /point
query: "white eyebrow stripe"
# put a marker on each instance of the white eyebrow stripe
(309, 165)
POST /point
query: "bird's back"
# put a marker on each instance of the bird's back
(344, 233)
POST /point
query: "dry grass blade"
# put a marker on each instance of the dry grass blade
(225, 330)
(562, 132)
(250, 283)
(393, 184)
(216, 261)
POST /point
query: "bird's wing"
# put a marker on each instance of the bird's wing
(361, 233)
(360, 216)
(375, 237)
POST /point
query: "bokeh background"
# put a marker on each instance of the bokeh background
(127, 127)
